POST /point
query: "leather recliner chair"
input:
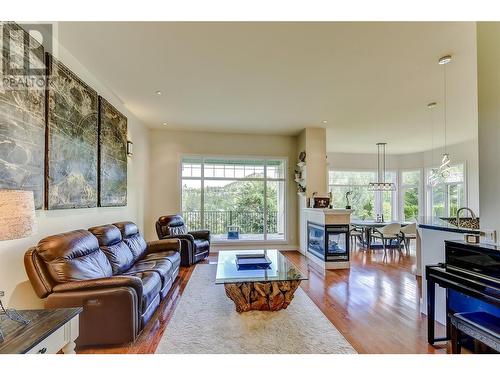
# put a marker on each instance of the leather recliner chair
(111, 271)
(195, 245)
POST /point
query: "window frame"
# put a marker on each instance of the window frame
(264, 179)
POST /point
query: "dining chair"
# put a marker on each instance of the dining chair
(355, 234)
(408, 233)
(387, 234)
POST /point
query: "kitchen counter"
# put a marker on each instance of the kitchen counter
(435, 223)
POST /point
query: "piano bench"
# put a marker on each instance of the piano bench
(481, 326)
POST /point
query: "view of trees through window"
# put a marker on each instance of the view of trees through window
(365, 203)
(410, 189)
(234, 198)
(448, 195)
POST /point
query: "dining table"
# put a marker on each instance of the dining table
(368, 225)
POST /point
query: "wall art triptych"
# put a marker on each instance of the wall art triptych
(112, 156)
(22, 116)
(62, 140)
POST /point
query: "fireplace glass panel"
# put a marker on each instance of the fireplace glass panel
(338, 248)
(316, 239)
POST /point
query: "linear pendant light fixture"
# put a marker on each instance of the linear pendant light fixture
(444, 168)
(381, 185)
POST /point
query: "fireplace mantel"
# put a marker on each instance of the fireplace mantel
(327, 215)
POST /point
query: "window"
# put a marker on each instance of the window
(366, 204)
(446, 197)
(410, 194)
(362, 200)
(236, 199)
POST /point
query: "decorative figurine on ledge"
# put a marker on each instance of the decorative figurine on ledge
(347, 195)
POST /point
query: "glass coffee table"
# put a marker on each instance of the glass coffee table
(258, 289)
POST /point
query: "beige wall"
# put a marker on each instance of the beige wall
(316, 175)
(488, 63)
(167, 147)
(13, 279)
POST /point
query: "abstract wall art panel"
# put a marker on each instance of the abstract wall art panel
(72, 130)
(22, 112)
(113, 156)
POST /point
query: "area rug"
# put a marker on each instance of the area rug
(205, 321)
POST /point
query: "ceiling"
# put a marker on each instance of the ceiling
(371, 82)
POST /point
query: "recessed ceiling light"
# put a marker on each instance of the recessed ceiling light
(159, 92)
(165, 123)
(324, 121)
(444, 60)
(431, 105)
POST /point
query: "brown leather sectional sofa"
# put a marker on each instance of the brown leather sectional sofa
(111, 271)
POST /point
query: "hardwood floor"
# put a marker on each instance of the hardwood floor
(375, 304)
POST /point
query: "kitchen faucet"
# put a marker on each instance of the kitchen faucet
(473, 215)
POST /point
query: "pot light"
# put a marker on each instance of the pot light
(165, 124)
(159, 93)
(324, 121)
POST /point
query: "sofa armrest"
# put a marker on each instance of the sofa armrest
(105, 283)
(200, 234)
(164, 245)
(187, 237)
(111, 315)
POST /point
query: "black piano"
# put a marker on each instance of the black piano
(471, 276)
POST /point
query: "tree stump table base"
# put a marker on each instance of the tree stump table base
(264, 296)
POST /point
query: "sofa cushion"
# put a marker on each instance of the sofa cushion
(73, 256)
(202, 246)
(151, 286)
(110, 241)
(132, 238)
(173, 256)
(162, 267)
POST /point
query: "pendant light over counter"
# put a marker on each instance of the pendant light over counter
(444, 168)
(381, 185)
(434, 176)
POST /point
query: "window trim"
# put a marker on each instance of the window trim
(264, 179)
(425, 201)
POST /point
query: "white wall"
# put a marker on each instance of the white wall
(488, 62)
(466, 152)
(167, 147)
(13, 279)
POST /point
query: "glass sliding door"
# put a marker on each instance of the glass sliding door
(240, 199)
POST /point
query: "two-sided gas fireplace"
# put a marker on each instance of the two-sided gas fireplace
(330, 242)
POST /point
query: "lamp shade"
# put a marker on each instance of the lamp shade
(17, 214)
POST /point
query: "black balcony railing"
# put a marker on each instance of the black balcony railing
(218, 222)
